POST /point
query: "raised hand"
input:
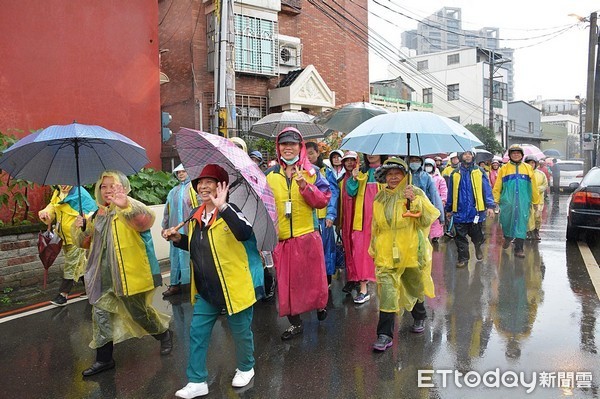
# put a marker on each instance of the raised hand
(299, 177)
(118, 197)
(221, 198)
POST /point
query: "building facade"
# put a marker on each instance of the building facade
(456, 85)
(524, 124)
(289, 55)
(443, 31)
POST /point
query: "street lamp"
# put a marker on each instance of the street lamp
(580, 101)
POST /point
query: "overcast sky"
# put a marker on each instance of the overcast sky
(556, 68)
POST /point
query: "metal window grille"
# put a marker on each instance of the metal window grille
(249, 110)
(256, 45)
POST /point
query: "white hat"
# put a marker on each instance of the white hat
(453, 155)
(350, 154)
(179, 168)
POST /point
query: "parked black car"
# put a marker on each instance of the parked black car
(584, 205)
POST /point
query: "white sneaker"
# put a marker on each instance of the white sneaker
(242, 378)
(193, 389)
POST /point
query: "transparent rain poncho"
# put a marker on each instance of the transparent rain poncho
(401, 248)
(121, 292)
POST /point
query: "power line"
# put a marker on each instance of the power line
(382, 45)
(458, 32)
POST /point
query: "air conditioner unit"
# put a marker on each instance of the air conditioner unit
(289, 55)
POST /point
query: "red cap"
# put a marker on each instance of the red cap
(214, 172)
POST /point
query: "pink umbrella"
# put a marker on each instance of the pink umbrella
(528, 149)
(248, 188)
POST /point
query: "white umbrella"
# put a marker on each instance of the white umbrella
(395, 133)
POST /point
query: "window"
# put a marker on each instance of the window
(512, 125)
(422, 65)
(455, 119)
(530, 127)
(249, 109)
(428, 96)
(453, 92)
(453, 59)
(255, 45)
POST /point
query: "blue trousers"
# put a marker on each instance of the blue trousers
(203, 320)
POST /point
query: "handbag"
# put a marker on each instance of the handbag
(340, 254)
(49, 246)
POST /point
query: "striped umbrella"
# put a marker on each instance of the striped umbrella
(248, 188)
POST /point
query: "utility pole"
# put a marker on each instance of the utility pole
(591, 100)
(491, 91)
(224, 115)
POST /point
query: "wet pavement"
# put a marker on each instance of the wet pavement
(497, 316)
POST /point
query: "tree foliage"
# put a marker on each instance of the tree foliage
(487, 137)
(13, 192)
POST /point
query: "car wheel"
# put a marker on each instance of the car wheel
(572, 233)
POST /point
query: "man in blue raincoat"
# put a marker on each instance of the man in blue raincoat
(469, 201)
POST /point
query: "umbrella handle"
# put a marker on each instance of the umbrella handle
(84, 223)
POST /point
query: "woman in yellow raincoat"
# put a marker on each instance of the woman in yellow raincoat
(401, 250)
(63, 209)
(122, 271)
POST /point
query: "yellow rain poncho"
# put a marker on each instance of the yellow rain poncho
(401, 248)
(122, 270)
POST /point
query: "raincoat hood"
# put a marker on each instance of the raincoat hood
(303, 161)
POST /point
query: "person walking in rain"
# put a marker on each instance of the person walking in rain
(177, 209)
(401, 250)
(437, 228)
(346, 219)
(328, 215)
(122, 271)
(451, 167)
(363, 186)
(335, 159)
(469, 201)
(515, 191)
(63, 209)
(420, 178)
(226, 273)
(299, 190)
(535, 213)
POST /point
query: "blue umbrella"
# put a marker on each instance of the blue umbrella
(394, 133)
(53, 155)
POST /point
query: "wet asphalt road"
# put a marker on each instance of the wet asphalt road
(537, 315)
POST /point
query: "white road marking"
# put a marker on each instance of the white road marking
(48, 307)
(591, 265)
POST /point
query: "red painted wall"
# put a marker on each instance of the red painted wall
(91, 61)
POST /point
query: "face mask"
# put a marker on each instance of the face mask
(428, 169)
(414, 166)
(291, 161)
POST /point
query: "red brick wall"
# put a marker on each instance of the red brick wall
(338, 56)
(91, 61)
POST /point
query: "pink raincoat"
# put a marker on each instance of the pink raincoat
(437, 229)
(299, 260)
